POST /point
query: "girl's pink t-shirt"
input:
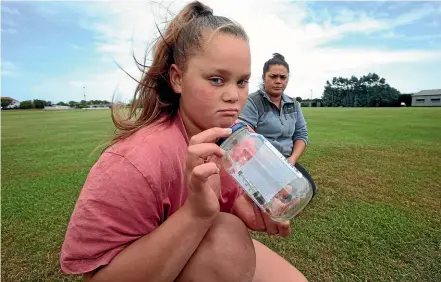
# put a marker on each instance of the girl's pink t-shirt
(134, 187)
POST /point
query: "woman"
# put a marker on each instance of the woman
(275, 115)
(157, 205)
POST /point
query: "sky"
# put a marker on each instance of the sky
(61, 50)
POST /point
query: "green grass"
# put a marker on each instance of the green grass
(376, 217)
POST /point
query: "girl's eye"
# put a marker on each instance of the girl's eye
(217, 80)
(242, 83)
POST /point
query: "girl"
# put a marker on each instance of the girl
(157, 205)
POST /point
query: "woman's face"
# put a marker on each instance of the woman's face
(214, 84)
(276, 80)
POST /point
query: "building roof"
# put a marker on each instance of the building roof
(428, 92)
(9, 98)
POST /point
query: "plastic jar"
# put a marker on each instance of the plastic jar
(276, 186)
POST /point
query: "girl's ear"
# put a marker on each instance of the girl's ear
(176, 79)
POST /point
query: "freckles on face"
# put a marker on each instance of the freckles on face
(215, 82)
(198, 95)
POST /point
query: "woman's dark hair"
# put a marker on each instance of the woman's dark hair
(184, 37)
(277, 59)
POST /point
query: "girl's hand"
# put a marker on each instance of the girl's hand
(201, 199)
(255, 219)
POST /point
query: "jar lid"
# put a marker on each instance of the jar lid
(234, 128)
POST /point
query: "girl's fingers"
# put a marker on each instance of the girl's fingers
(200, 174)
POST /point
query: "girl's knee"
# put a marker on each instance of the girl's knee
(225, 254)
(230, 242)
(272, 267)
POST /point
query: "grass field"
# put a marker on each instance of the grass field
(376, 217)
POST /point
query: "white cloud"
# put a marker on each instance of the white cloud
(105, 86)
(47, 10)
(97, 86)
(434, 24)
(8, 69)
(273, 26)
(346, 15)
(8, 26)
(390, 35)
(424, 37)
(414, 15)
(9, 30)
(76, 47)
(8, 22)
(11, 11)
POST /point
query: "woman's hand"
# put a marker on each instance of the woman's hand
(298, 149)
(255, 219)
(201, 199)
(292, 160)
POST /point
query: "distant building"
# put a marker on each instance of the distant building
(427, 98)
(57, 107)
(312, 103)
(107, 106)
(14, 103)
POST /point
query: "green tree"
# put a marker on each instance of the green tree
(39, 104)
(367, 91)
(26, 104)
(6, 102)
(73, 104)
(83, 104)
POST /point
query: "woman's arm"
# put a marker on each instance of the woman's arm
(300, 137)
(160, 255)
(299, 148)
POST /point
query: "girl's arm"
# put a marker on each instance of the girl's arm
(160, 255)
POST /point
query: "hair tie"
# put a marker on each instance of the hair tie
(205, 13)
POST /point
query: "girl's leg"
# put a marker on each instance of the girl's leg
(270, 267)
(225, 254)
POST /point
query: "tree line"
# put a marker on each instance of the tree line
(40, 104)
(367, 91)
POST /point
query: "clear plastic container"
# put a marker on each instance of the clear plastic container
(276, 186)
